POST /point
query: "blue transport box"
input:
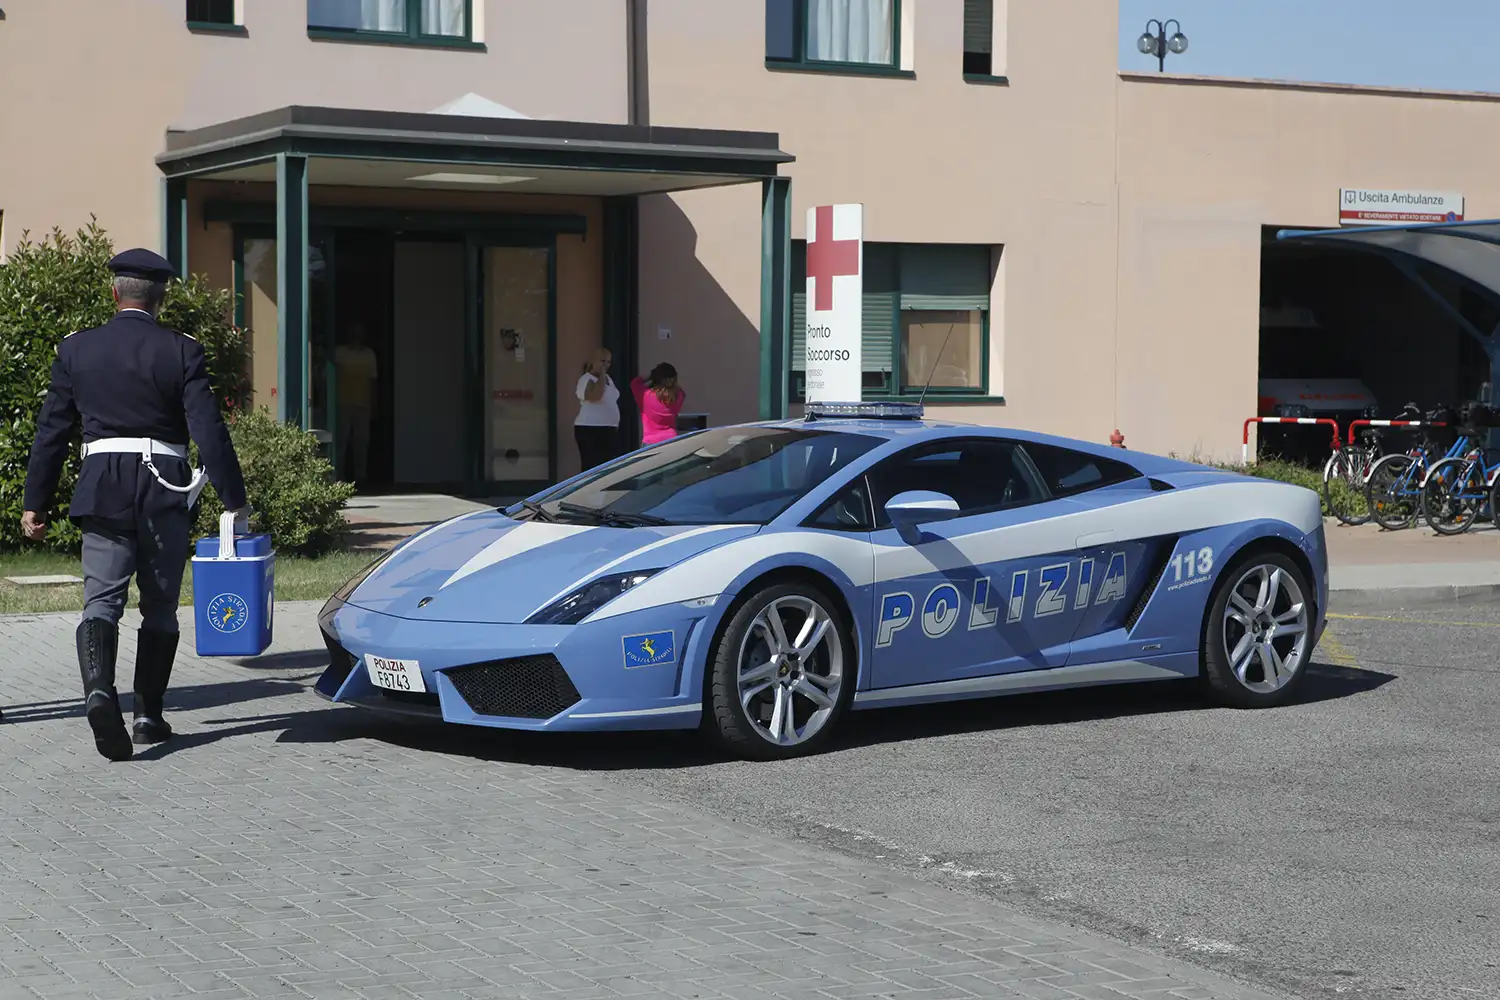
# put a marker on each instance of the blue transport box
(234, 592)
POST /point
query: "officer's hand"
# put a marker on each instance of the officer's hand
(33, 526)
(242, 520)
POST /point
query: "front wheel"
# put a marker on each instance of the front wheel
(1258, 636)
(1452, 496)
(782, 674)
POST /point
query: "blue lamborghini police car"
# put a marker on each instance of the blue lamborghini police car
(759, 581)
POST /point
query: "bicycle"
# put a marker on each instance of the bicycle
(1353, 463)
(1393, 488)
(1458, 489)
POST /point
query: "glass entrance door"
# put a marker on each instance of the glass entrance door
(516, 336)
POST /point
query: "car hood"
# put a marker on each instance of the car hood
(492, 569)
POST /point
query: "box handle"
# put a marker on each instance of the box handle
(226, 535)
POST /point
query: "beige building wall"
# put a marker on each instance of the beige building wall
(92, 86)
(1129, 206)
(1203, 165)
(933, 159)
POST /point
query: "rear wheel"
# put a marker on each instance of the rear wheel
(1344, 484)
(1258, 637)
(782, 674)
(1452, 496)
(1391, 492)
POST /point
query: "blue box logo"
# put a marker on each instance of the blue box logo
(228, 613)
(652, 649)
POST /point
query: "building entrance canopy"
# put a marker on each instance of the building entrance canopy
(294, 149)
(1469, 251)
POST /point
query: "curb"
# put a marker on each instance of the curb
(1428, 594)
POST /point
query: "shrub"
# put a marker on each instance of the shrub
(47, 291)
(53, 288)
(1344, 498)
(289, 484)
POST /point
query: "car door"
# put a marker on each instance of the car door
(992, 590)
(1116, 564)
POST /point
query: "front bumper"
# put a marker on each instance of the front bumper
(587, 677)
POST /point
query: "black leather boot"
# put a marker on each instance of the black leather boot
(98, 642)
(154, 655)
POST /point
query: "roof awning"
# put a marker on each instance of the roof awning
(1470, 250)
(472, 152)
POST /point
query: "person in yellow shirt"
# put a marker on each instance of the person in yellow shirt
(357, 372)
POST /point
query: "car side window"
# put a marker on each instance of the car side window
(980, 474)
(846, 510)
(1066, 472)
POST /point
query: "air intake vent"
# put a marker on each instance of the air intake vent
(340, 665)
(1157, 486)
(1157, 572)
(526, 687)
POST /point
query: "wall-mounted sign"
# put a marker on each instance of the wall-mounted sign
(835, 302)
(1363, 207)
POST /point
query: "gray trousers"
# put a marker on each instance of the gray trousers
(155, 552)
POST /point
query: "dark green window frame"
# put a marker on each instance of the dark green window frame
(795, 59)
(883, 309)
(979, 43)
(413, 35)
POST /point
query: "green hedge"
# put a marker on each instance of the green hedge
(290, 485)
(1344, 498)
(52, 288)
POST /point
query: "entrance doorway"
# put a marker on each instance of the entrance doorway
(431, 356)
(1343, 329)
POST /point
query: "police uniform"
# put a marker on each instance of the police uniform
(140, 392)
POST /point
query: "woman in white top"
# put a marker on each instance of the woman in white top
(597, 427)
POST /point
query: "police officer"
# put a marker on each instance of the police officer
(140, 390)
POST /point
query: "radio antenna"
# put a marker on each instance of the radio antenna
(931, 374)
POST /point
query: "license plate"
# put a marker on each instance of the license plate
(395, 675)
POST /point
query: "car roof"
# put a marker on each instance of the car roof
(911, 431)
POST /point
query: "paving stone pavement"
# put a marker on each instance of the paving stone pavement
(282, 847)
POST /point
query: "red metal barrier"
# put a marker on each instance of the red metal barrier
(1245, 450)
(1390, 423)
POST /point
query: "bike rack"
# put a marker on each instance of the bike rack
(1390, 423)
(1245, 448)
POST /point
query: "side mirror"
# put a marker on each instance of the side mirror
(910, 510)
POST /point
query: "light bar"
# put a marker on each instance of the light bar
(869, 411)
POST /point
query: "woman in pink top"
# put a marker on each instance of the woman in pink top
(659, 398)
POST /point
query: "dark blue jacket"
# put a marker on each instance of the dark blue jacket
(129, 378)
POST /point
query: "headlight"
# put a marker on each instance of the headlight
(592, 596)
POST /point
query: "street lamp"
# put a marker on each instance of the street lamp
(1159, 44)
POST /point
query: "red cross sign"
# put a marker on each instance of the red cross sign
(828, 258)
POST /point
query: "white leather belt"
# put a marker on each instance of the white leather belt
(146, 447)
(133, 446)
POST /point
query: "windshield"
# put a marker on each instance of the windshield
(736, 475)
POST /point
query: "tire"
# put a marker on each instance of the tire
(1392, 511)
(1349, 464)
(1445, 507)
(749, 656)
(1495, 502)
(1253, 678)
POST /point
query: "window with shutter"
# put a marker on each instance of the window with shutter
(926, 318)
(979, 33)
(211, 13)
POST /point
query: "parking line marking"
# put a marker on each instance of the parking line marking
(1336, 652)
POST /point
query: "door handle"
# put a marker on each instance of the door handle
(1097, 538)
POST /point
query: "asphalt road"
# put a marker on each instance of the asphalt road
(1345, 846)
